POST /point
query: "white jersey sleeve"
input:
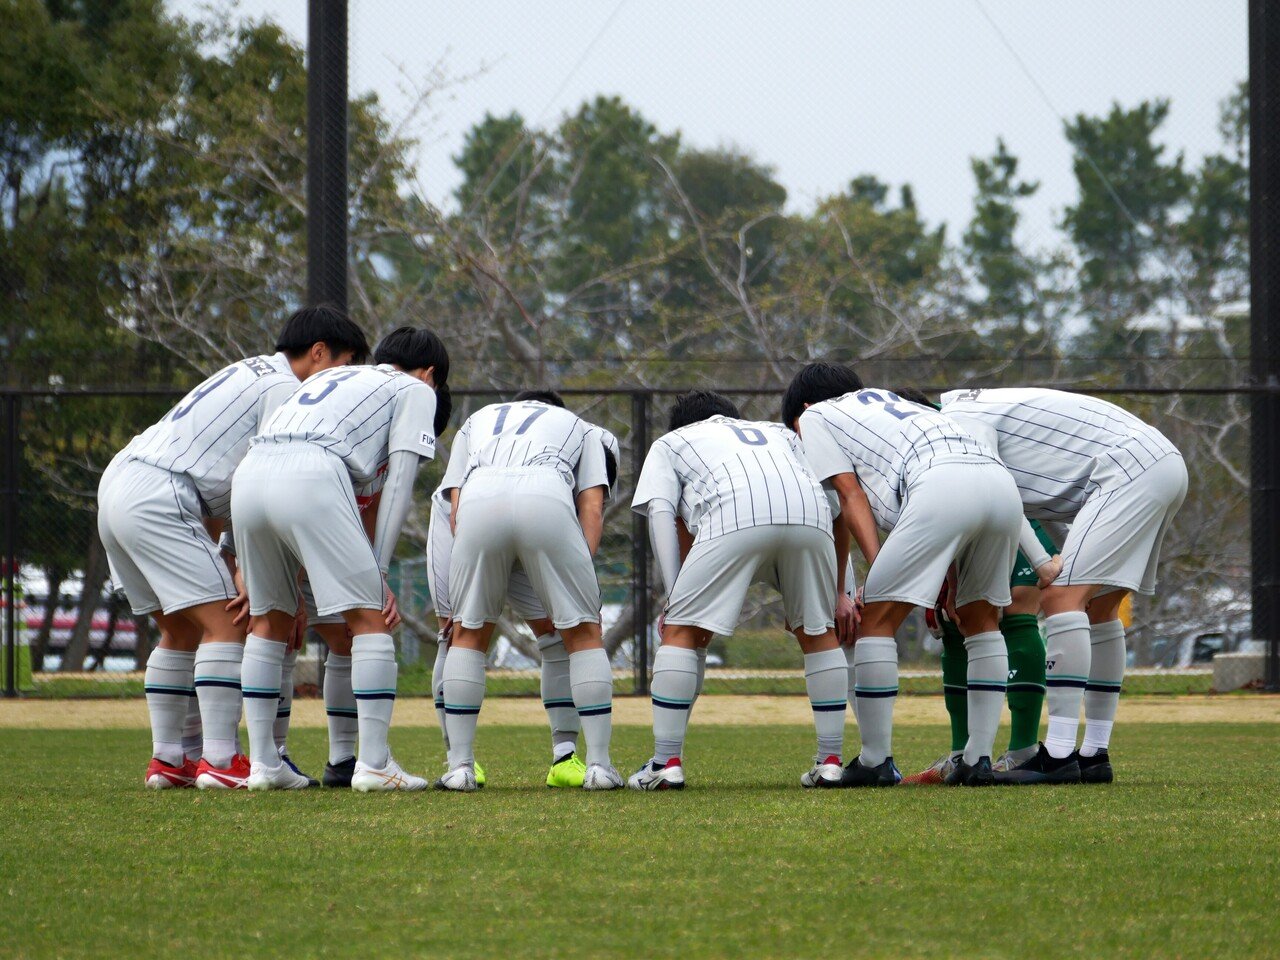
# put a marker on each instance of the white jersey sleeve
(658, 481)
(610, 443)
(459, 454)
(413, 422)
(591, 470)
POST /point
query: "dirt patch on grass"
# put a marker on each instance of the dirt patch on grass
(635, 711)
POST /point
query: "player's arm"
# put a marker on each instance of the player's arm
(846, 614)
(1047, 567)
(451, 485)
(657, 493)
(685, 537)
(664, 537)
(239, 604)
(856, 515)
(591, 516)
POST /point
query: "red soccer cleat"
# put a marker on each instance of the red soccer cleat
(162, 776)
(932, 776)
(233, 777)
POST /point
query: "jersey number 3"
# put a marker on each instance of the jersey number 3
(311, 399)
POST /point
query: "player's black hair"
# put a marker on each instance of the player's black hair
(322, 324)
(698, 405)
(542, 396)
(610, 467)
(444, 409)
(814, 383)
(913, 395)
(416, 348)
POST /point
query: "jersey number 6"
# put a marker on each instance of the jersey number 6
(749, 435)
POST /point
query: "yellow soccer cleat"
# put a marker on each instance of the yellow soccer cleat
(568, 771)
(480, 778)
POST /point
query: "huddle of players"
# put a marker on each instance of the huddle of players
(304, 467)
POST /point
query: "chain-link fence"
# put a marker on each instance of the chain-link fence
(72, 636)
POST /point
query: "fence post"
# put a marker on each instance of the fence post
(327, 152)
(1264, 328)
(640, 546)
(12, 450)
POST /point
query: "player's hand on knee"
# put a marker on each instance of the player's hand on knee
(846, 619)
(239, 604)
(1049, 571)
(390, 611)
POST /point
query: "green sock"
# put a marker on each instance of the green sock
(1026, 677)
(955, 683)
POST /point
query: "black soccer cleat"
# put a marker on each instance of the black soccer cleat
(1042, 768)
(338, 775)
(1096, 769)
(971, 775)
(856, 774)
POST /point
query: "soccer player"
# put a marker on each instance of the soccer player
(941, 497)
(295, 507)
(1021, 630)
(567, 768)
(526, 483)
(162, 503)
(760, 515)
(1119, 482)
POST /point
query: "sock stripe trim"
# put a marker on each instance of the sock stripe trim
(375, 690)
(876, 692)
(1056, 682)
(261, 694)
(381, 695)
(987, 686)
(217, 682)
(274, 690)
(955, 686)
(673, 704)
(1066, 676)
(162, 688)
(283, 713)
(833, 707)
(1102, 686)
(462, 711)
(340, 712)
(597, 711)
(1025, 688)
(557, 703)
(439, 704)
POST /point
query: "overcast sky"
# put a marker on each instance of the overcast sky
(907, 90)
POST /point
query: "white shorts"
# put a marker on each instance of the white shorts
(158, 550)
(796, 560)
(520, 594)
(967, 512)
(292, 506)
(526, 515)
(1116, 537)
(314, 617)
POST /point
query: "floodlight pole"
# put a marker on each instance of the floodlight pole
(327, 152)
(1264, 326)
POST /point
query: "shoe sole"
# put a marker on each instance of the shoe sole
(209, 782)
(1103, 774)
(1031, 778)
(161, 782)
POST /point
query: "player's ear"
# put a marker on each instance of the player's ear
(429, 376)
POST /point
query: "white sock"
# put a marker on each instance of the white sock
(987, 675)
(591, 679)
(260, 682)
(373, 682)
(1102, 692)
(674, 690)
(826, 679)
(463, 697)
(702, 671)
(217, 682)
(557, 696)
(170, 687)
(437, 688)
(340, 707)
(192, 728)
(875, 662)
(1066, 669)
(284, 709)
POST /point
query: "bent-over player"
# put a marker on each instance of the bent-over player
(1119, 482)
(567, 768)
(526, 483)
(760, 516)
(941, 497)
(294, 507)
(162, 503)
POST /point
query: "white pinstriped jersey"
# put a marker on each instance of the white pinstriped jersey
(206, 435)
(886, 441)
(1060, 447)
(440, 501)
(360, 414)
(723, 474)
(527, 433)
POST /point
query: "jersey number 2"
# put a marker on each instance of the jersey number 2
(890, 406)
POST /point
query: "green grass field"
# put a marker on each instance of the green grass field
(1179, 858)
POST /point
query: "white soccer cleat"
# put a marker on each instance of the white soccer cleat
(279, 777)
(827, 773)
(367, 779)
(461, 779)
(650, 776)
(600, 777)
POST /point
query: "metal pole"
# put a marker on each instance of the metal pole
(12, 451)
(327, 152)
(640, 546)
(1264, 351)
